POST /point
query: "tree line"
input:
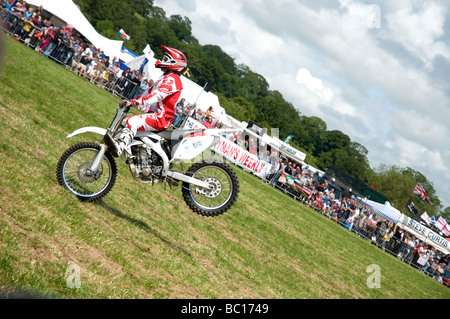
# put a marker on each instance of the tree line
(246, 96)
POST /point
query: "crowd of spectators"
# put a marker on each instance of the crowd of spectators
(184, 110)
(65, 46)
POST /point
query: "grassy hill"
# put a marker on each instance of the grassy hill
(142, 241)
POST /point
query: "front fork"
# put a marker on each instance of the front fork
(98, 159)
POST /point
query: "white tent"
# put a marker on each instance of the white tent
(385, 211)
(69, 12)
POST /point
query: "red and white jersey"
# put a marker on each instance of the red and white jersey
(162, 96)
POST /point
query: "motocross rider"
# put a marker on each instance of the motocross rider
(158, 101)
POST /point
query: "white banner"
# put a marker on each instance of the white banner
(424, 233)
(234, 153)
(237, 155)
(289, 150)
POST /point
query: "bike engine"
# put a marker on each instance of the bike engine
(146, 165)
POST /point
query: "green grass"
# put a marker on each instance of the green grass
(142, 241)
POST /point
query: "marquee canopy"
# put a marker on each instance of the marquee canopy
(385, 211)
(69, 12)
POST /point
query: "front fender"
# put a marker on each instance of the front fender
(92, 129)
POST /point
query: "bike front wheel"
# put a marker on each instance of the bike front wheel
(219, 197)
(73, 172)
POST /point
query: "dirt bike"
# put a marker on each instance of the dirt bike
(209, 187)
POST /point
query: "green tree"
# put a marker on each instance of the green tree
(275, 111)
(312, 139)
(158, 13)
(446, 214)
(398, 184)
(106, 28)
(159, 33)
(228, 85)
(226, 61)
(334, 139)
(182, 27)
(142, 7)
(253, 85)
(238, 107)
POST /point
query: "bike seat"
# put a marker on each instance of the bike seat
(176, 135)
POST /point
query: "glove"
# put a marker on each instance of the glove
(129, 103)
(125, 103)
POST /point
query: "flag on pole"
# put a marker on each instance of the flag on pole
(426, 218)
(419, 191)
(123, 35)
(142, 67)
(208, 86)
(288, 139)
(446, 230)
(412, 207)
(432, 221)
(442, 225)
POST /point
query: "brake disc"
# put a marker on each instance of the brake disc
(215, 188)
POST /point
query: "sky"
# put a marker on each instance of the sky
(375, 70)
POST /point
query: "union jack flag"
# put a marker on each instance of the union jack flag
(419, 191)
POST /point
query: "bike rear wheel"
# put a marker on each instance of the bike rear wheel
(74, 174)
(223, 191)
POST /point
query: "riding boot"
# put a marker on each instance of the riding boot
(123, 140)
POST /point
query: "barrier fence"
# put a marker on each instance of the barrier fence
(64, 52)
(383, 233)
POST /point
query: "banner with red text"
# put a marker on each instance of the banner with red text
(237, 155)
(234, 153)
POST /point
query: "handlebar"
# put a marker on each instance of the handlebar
(127, 105)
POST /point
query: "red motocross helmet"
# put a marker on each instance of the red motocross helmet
(173, 60)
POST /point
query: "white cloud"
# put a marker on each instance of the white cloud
(419, 128)
(314, 85)
(419, 27)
